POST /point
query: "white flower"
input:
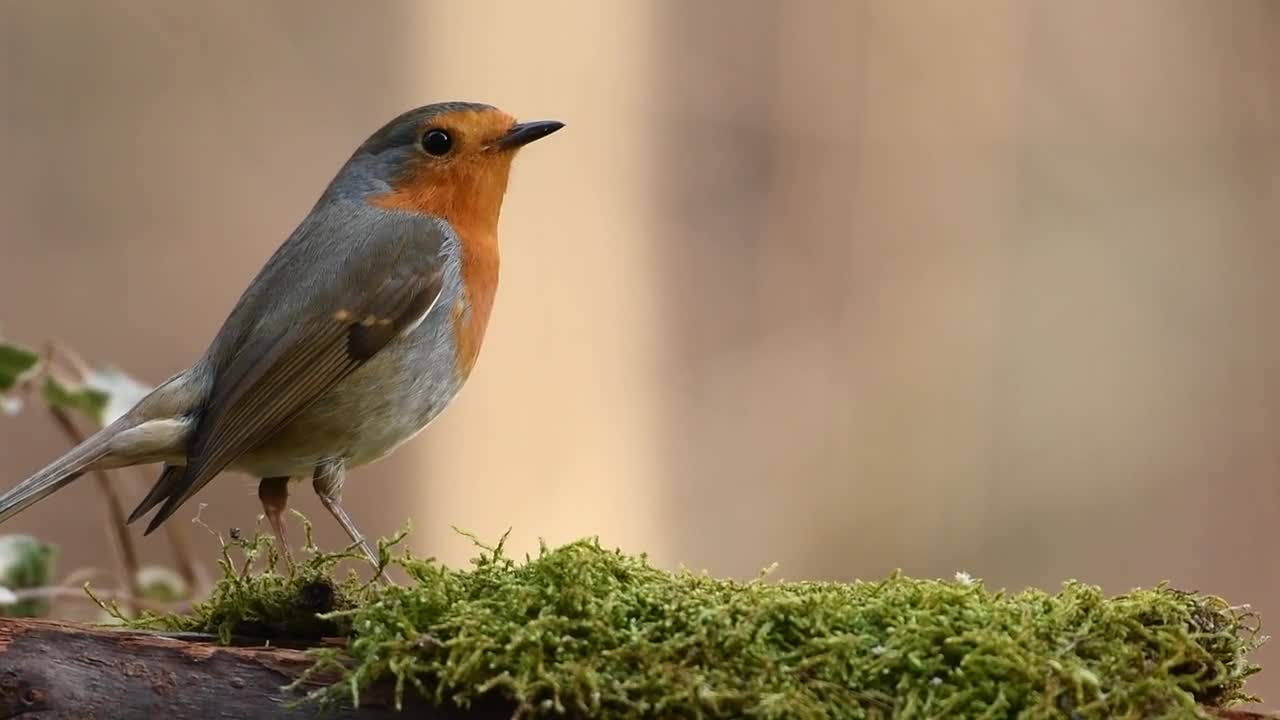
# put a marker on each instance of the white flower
(10, 404)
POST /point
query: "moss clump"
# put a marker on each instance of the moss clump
(280, 601)
(582, 631)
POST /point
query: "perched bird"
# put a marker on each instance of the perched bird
(356, 333)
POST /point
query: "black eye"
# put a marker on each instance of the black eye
(436, 142)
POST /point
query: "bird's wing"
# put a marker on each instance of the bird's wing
(383, 287)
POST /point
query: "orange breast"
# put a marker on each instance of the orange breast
(478, 239)
(480, 280)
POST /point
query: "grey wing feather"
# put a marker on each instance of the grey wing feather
(384, 287)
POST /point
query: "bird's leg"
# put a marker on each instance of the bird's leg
(327, 482)
(274, 494)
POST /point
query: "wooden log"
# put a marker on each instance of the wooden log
(60, 670)
(54, 670)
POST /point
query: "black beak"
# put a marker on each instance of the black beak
(524, 133)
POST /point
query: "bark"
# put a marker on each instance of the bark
(53, 670)
(57, 670)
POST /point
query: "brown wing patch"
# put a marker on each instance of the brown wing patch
(371, 334)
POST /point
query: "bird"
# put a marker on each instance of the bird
(355, 334)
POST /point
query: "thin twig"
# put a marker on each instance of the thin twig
(191, 572)
(75, 579)
(67, 593)
(61, 363)
(58, 355)
(116, 530)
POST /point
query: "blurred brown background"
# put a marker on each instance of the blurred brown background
(850, 286)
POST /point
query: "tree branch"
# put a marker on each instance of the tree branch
(59, 670)
(117, 530)
(57, 357)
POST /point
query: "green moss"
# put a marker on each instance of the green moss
(583, 631)
(261, 596)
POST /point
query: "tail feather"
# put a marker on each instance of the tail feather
(55, 475)
(153, 429)
(169, 477)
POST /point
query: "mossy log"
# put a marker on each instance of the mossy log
(59, 670)
(581, 632)
(62, 670)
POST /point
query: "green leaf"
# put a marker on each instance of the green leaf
(25, 562)
(85, 400)
(15, 361)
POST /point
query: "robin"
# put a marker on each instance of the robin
(354, 335)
